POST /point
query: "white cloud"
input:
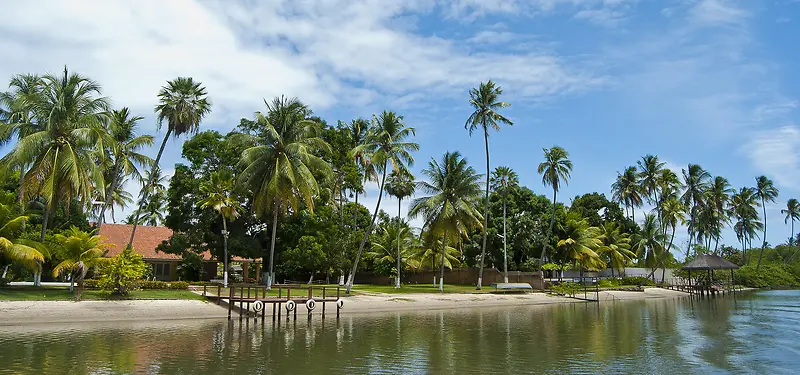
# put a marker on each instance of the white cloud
(492, 37)
(777, 153)
(601, 17)
(717, 12)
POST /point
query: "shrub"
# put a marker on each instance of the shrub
(636, 280)
(769, 275)
(91, 283)
(529, 265)
(568, 289)
(122, 273)
(153, 284)
(608, 283)
(182, 285)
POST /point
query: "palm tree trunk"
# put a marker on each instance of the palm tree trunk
(367, 233)
(225, 252)
(272, 243)
(444, 250)
(550, 230)
(147, 187)
(691, 231)
(355, 214)
(109, 194)
(485, 208)
(505, 250)
(764, 240)
(21, 195)
(397, 281)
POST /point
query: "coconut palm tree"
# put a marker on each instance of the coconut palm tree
(280, 168)
(124, 145)
(765, 192)
(695, 181)
(669, 185)
(503, 179)
(451, 207)
(672, 214)
(625, 190)
(744, 207)
(182, 103)
(386, 146)
(649, 173)
(395, 244)
(648, 244)
(430, 253)
(17, 117)
(358, 130)
(485, 99)
(615, 246)
(400, 184)
(718, 196)
(792, 212)
(218, 197)
(78, 251)
(581, 242)
(555, 171)
(12, 248)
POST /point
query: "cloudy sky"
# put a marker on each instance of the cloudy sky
(712, 82)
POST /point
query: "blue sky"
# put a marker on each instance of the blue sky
(712, 82)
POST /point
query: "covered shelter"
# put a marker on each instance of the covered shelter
(708, 263)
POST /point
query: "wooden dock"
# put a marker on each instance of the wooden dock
(255, 300)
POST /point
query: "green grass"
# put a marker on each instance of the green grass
(63, 294)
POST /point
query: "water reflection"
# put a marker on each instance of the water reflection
(757, 333)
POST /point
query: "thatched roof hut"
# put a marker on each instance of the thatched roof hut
(710, 262)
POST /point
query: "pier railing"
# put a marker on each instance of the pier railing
(255, 300)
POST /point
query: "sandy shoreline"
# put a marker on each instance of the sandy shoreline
(39, 312)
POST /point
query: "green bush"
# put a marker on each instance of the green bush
(567, 289)
(91, 283)
(122, 273)
(153, 284)
(769, 275)
(182, 285)
(636, 280)
(608, 283)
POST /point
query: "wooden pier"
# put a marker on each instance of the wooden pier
(255, 300)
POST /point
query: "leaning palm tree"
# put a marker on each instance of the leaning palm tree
(400, 184)
(385, 146)
(792, 212)
(695, 181)
(218, 197)
(17, 117)
(280, 168)
(124, 145)
(182, 103)
(70, 115)
(648, 243)
(744, 206)
(503, 179)
(485, 99)
(78, 251)
(765, 192)
(626, 190)
(555, 171)
(451, 207)
(13, 248)
(615, 246)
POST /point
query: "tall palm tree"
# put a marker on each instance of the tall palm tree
(13, 248)
(358, 130)
(182, 103)
(649, 173)
(385, 146)
(218, 197)
(280, 169)
(454, 190)
(581, 242)
(672, 214)
(400, 184)
(625, 190)
(669, 185)
(503, 179)
(765, 192)
(615, 245)
(485, 99)
(695, 181)
(555, 171)
(648, 244)
(792, 212)
(124, 145)
(718, 198)
(17, 117)
(60, 153)
(78, 251)
(744, 207)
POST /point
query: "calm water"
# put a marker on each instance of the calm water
(758, 333)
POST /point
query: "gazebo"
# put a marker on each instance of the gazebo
(709, 262)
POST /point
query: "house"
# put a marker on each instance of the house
(165, 266)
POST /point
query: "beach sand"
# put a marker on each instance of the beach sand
(38, 312)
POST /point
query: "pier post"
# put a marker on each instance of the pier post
(323, 302)
(230, 301)
(219, 294)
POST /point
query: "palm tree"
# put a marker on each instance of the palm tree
(625, 190)
(280, 169)
(695, 181)
(358, 130)
(581, 242)
(430, 252)
(555, 170)
(454, 190)
(182, 103)
(78, 251)
(218, 197)
(649, 173)
(400, 184)
(485, 99)
(503, 179)
(648, 244)
(124, 146)
(615, 245)
(17, 116)
(744, 206)
(792, 212)
(672, 214)
(386, 145)
(28, 253)
(717, 198)
(394, 244)
(765, 192)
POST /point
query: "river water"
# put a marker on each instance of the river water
(756, 333)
